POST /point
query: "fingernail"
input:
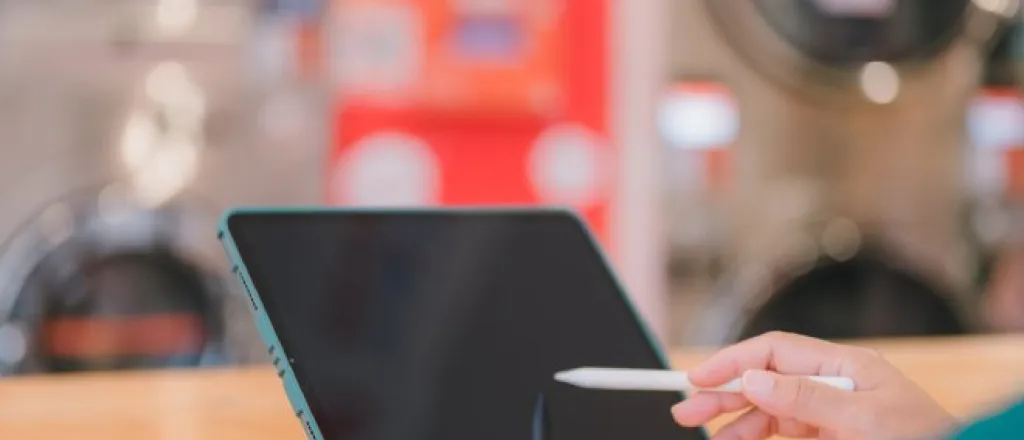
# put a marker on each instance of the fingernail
(759, 383)
(675, 411)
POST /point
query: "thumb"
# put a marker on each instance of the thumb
(798, 398)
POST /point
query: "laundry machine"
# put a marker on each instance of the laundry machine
(849, 180)
(128, 127)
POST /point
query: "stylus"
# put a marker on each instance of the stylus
(626, 379)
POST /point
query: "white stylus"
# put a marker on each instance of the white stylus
(661, 380)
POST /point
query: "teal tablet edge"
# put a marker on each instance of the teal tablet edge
(279, 357)
(281, 360)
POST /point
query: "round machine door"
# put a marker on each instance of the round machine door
(845, 35)
(126, 134)
(816, 49)
(865, 296)
(93, 282)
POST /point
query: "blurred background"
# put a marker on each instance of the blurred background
(839, 168)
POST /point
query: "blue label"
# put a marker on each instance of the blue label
(301, 9)
(488, 37)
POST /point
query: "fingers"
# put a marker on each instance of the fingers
(752, 425)
(756, 425)
(800, 399)
(701, 408)
(783, 352)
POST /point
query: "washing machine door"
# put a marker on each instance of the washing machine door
(93, 285)
(866, 296)
(845, 35)
(94, 104)
(859, 298)
(816, 49)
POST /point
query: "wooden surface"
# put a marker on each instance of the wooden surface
(250, 404)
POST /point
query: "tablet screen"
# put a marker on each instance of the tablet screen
(450, 325)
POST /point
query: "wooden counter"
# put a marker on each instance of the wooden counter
(250, 404)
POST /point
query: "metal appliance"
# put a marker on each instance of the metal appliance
(128, 127)
(842, 231)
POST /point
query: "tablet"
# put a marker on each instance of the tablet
(444, 324)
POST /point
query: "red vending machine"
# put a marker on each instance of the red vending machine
(471, 102)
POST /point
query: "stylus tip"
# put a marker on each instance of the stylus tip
(567, 376)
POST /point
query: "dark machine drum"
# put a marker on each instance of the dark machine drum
(871, 294)
(93, 283)
(816, 49)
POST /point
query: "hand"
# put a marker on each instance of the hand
(886, 405)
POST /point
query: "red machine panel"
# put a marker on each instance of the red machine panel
(464, 56)
(505, 104)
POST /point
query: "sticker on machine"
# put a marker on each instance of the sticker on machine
(376, 47)
(568, 165)
(387, 169)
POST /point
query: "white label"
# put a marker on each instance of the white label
(388, 169)
(567, 166)
(694, 121)
(996, 123)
